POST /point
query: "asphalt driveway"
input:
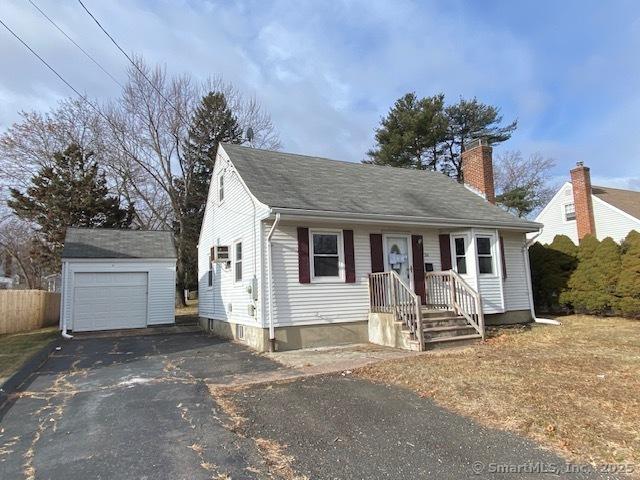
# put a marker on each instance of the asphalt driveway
(130, 407)
(141, 407)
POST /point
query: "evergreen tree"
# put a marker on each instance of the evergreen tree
(467, 120)
(424, 133)
(551, 267)
(593, 284)
(411, 134)
(212, 123)
(628, 289)
(70, 192)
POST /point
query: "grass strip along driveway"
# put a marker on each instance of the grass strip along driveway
(17, 348)
(574, 388)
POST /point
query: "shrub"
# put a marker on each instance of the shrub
(551, 268)
(628, 288)
(592, 287)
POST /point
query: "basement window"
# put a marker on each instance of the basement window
(569, 212)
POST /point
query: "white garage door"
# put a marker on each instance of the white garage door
(109, 300)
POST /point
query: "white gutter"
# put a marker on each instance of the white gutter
(353, 217)
(63, 287)
(272, 329)
(525, 255)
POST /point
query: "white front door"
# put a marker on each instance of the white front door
(397, 257)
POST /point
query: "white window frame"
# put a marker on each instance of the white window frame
(340, 278)
(563, 211)
(454, 256)
(236, 261)
(493, 254)
(220, 188)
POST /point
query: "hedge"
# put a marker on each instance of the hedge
(596, 277)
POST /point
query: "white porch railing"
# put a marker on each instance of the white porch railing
(388, 294)
(448, 291)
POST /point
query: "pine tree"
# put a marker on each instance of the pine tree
(551, 267)
(593, 284)
(70, 192)
(628, 288)
(212, 123)
(411, 134)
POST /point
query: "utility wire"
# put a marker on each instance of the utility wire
(76, 44)
(83, 97)
(135, 65)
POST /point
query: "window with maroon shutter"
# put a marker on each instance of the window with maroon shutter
(304, 275)
(445, 251)
(502, 258)
(377, 256)
(418, 266)
(349, 257)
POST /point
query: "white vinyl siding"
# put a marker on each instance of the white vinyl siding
(297, 303)
(610, 222)
(161, 277)
(553, 217)
(516, 295)
(227, 224)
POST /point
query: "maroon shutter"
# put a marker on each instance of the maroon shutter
(304, 274)
(504, 264)
(377, 258)
(210, 270)
(349, 260)
(418, 266)
(445, 252)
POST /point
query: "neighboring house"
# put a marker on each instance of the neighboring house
(113, 279)
(579, 208)
(298, 251)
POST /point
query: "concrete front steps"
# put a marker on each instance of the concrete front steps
(442, 329)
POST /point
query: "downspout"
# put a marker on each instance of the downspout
(63, 318)
(525, 255)
(272, 330)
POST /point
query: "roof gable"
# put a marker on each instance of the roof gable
(302, 182)
(113, 243)
(626, 200)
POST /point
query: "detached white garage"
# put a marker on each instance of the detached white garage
(116, 279)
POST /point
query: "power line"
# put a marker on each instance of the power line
(83, 97)
(135, 65)
(76, 44)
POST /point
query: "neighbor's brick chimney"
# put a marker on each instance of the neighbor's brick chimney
(581, 181)
(477, 168)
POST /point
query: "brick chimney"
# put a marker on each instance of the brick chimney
(477, 168)
(581, 181)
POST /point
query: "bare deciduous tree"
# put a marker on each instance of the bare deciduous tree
(523, 185)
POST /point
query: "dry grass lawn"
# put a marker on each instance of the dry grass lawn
(573, 388)
(17, 348)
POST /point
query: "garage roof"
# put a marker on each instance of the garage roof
(112, 243)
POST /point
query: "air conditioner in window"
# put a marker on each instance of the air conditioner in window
(221, 254)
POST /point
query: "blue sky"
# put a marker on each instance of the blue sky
(569, 71)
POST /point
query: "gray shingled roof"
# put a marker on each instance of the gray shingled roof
(287, 180)
(111, 243)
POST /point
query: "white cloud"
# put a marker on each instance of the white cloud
(325, 71)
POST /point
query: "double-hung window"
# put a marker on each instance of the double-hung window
(237, 262)
(569, 212)
(220, 188)
(461, 254)
(326, 256)
(485, 255)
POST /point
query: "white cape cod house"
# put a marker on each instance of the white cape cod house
(298, 251)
